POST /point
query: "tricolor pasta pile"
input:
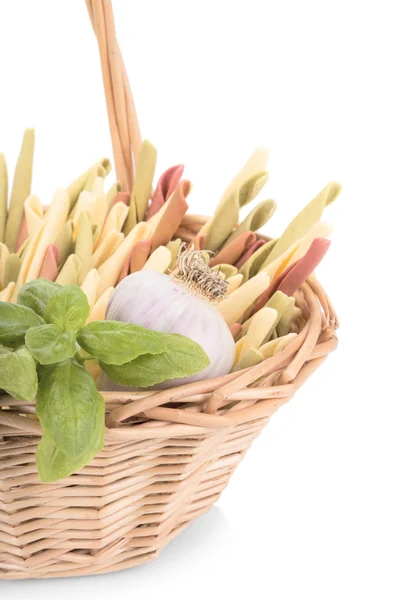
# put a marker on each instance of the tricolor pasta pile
(94, 237)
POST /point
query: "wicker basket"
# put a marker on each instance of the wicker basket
(168, 454)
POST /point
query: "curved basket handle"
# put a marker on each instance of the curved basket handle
(124, 127)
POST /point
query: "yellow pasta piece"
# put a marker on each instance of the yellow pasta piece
(158, 261)
(84, 245)
(98, 311)
(238, 349)
(106, 248)
(70, 271)
(33, 213)
(3, 196)
(115, 220)
(57, 216)
(7, 294)
(76, 187)
(274, 346)
(89, 286)
(233, 307)
(233, 283)
(174, 247)
(86, 202)
(111, 268)
(4, 254)
(20, 190)
(28, 258)
(251, 357)
(259, 328)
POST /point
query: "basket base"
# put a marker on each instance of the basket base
(118, 512)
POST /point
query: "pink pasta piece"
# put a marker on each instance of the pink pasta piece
(172, 215)
(165, 187)
(199, 242)
(303, 268)
(22, 235)
(235, 329)
(234, 250)
(139, 255)
(49, 269)
(246, 255)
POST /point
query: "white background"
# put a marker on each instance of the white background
(313, 511)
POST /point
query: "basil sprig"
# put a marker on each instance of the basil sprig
(44, 344)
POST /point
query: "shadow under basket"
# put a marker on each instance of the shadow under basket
(167, 458)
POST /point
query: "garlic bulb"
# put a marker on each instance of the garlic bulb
(181, 305)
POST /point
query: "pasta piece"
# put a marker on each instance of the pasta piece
(158, 261)
(232, 252)
(65, 242)
(106, 248)
(258, 217)
(303, 222)
(109, 271)
(275, 346)
(171, 215)
(115, 220)
(143, 183)
(3, 196)
(98, 312)
(251, 358)
(7, 294)
(49, 268)
(20, 190)
(259, 329)
(165, 186)
(236, 304)
(233, 283)
(55, 220)
(84, 245)
(77, 186)
(70, 271)
(112, 193)
(33, 213)
(89, 286)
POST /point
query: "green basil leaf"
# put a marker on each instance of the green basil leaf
(36, 294)
(18, 373)
(68, 308)
(53, 465)
(183, 357)
(49, 344)
(15, 321)
(117, 343)
(66, 406)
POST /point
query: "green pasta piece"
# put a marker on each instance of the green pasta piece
(112, 192)
(97, 171)
(3, 196)
(260, 215)
(84, 245)
(283, 327)
(249, 359)
(11, 269)
(143, 183)
(280, 302)
(65, 241)
(253, 265)
(306, 218)
(69, 272)
(227, 270)
(21, 189)
(226, 216)
(77, 186)
(174, 248)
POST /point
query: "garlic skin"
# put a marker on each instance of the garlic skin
(158, 302)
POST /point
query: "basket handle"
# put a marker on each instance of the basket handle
(124, 127)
